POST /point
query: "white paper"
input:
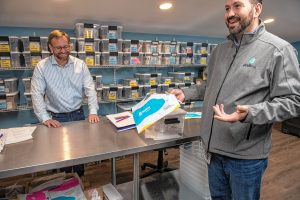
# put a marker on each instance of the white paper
(19, 134)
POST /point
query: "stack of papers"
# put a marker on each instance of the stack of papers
(14, 135)
(122, 121)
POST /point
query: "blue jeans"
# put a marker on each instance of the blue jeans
(67, 117)
(235, 179)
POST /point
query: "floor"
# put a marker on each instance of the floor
(281, 180)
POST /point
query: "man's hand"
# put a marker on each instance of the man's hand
(52, 123)
(178, 94)
(94, 118)
(240, 113)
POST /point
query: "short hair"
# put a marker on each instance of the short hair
(57, 34)
(257, 1)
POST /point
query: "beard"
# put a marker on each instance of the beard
(243, 23)
(62, 56)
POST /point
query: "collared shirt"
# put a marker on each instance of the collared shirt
(61, 89)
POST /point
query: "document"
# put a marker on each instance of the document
(122, 121)
(15, 135)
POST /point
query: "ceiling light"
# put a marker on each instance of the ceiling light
(165, 6)
(270, 20)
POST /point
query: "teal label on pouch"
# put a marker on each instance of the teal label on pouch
(151, 107)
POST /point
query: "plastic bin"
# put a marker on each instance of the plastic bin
(97, 80)
(104, 32)
(44, 43)
(126, 58)
(104, 45)
(189, 59)
(88, 58)
(156, 59)
(132, 92)
(84, 30)
(182, 77)
(12, 100)
(166, 47)
(32, 59)
(136, 46)
(182, 58)
(172, 125)
(155, 47)
(10, 85)
(111, 93)
(115, 45)
(147, 58)
(136, 58)
(163, 88)
(189, 47)
(174, 59)
(8, 60)
(167, 80)
(9, 44)
(115, 58)
(148, 79)
(28, 98)
(204, 48)
(115, 32)
(131, 82)
(45, 54)
(126, 45)
(31, 44)
(174, 47)
(73, 43)
(99, 94)
(147, 46)
(193, 170)
(165, 59)
(27, 84)
(183, 46)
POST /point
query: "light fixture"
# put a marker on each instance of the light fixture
(270, 20)
(165, 6)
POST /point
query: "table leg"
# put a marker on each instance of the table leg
(113, 172)
(136, 176)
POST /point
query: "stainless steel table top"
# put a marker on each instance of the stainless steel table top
(81, 142)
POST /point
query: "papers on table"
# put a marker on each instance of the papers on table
(193, 115)
(15, 135)
(122, 121)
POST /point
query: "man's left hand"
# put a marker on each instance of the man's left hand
(240, 113)
(94, 118)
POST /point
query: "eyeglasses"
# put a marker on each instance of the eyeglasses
(58, 48)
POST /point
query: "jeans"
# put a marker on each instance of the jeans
(235, 179)
(67, 117)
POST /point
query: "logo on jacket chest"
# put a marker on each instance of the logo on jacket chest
(251, 63)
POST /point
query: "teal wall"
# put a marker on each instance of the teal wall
(297, 47)
(12, 119)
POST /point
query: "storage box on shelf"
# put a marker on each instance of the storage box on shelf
(9, 44)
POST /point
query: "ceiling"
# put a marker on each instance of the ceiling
(187, 17)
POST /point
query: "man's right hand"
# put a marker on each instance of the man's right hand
(178, 94)
(52, 123)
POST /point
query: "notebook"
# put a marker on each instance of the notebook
(122, 121)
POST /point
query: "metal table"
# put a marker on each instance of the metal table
(81, 142)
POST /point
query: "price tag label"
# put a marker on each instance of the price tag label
(89, 61)
(34, 47)
(134, 94)
(5, 62)
(4, 46)
(112, 95)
